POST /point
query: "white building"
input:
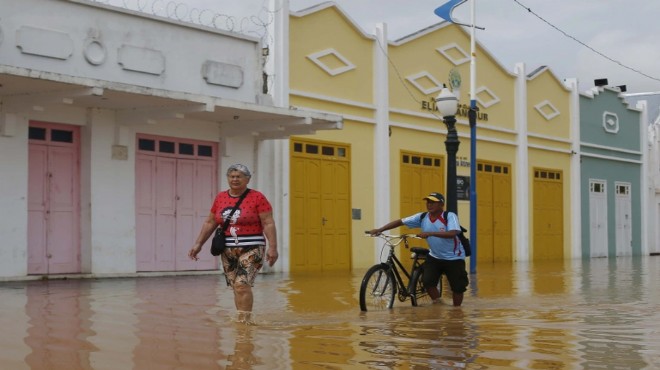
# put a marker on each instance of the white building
(116, 128)
(652, 102)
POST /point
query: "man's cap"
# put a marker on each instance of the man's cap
(435, 197)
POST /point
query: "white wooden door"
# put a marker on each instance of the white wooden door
(598, 218)
(623, 209)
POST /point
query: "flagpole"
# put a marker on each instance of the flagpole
(444, 11)
(472, 116)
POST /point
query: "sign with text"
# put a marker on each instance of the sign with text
(462, 187)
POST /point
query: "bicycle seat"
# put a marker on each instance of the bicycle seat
(420, 251)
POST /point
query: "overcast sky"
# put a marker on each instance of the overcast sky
(627, 31)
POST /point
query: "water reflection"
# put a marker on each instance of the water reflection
(59, 325)
(173, 327)
(595, 314)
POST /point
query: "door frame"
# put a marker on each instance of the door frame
(598, 192)
(76, 248)
(177, 150)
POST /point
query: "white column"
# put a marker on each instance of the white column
(382, 178)
(644, 177)
(522, 174)
(277, 68)
(576, 172)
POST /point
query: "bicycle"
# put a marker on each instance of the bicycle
(383, 281)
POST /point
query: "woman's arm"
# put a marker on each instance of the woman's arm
(207, 229)
(268, 223)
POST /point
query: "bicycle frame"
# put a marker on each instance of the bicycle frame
(384, 280)
(393, 262)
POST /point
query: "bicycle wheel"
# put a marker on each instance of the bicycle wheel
(378, 289)
(419, 296)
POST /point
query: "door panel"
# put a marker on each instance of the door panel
(421, 174)
(494, 212)
(335, 215)
(502, 250)
(63, 225)
(185, 213)
(165, 213)
(313, 241)
(298, 255)
(145, 208)
(37, 187)
(204, 185)
(485, 222)
(623, 210)
(598, 218)
(548, 215)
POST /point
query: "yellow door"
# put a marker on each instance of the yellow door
(335, 215)
(548, 215)
(320, 206)
(494, 212)
(420, 175)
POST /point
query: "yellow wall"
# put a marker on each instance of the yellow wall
(329, 29)
(546, 87)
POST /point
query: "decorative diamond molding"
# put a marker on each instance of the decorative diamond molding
(453, 48)
(316, 59)
(610, 122)
(486, 97)
(547, 110)
(425, 76)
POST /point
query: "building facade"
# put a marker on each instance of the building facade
(115, 132)
(612, 135)
(393, 140)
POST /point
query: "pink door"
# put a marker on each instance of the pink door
(175, 184)
(53, 199)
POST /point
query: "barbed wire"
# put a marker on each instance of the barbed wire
(253, 25)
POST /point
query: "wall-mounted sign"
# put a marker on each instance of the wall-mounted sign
(463, 187)
(462, 111)
(462, 162)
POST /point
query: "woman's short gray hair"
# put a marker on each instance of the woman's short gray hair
(240, 168)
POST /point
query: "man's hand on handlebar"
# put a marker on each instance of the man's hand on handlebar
(373, 232)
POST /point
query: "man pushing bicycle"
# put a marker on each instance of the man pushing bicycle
(446, 255)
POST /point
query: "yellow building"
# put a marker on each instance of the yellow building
(391, 151)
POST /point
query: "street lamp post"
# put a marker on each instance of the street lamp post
(447, 105)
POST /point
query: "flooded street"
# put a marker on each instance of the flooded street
(597, 314)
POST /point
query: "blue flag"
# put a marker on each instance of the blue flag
(444, 11)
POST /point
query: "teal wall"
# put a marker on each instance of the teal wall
(591, 122)
(611, 172)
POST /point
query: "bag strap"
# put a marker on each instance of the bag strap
(226, 223)
(443, 218)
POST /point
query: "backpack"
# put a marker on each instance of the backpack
(465, 242)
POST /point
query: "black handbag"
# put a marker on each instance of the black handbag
(218, 243)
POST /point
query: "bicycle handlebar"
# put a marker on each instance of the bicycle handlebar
(392, 239)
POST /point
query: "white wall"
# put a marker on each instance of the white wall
(113, 44)
(13, 198)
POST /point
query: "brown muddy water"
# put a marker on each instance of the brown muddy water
(597, 314)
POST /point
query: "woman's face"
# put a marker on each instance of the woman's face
(237, 181)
